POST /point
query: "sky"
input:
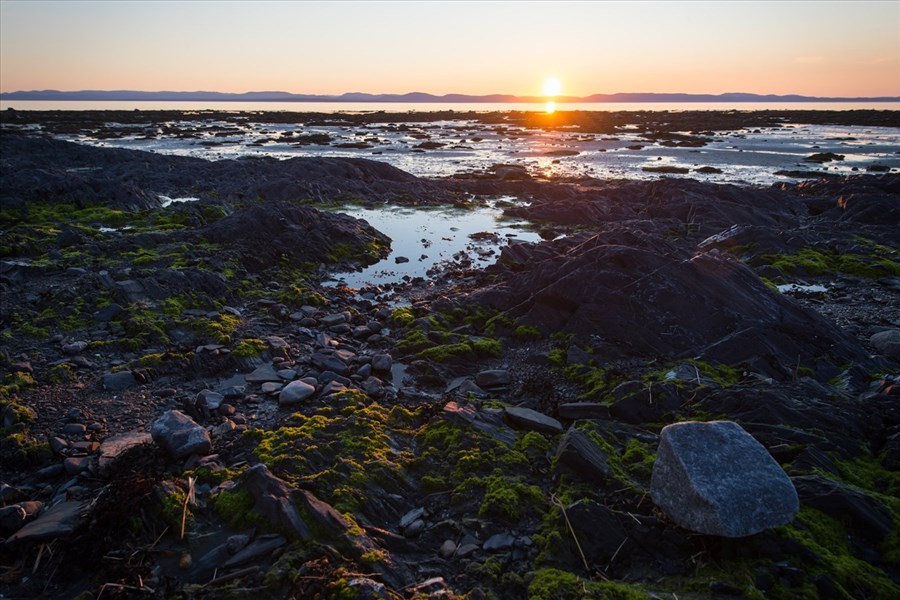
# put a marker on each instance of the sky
(841, 49)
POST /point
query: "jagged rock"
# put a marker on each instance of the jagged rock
(865, 514)
(579, 453)
(108, 313)
(714, 478)
(488, 423)
(117, 382)
(648, 296)
(58, 521)
(333, 360)
(112, 448)
(179, 435)
(533, 420)
(887, 343)
(278, 502)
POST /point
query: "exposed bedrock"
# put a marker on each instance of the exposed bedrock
(643, 296)
(36, 168)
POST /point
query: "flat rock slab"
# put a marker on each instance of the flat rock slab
(493, 378)
(533, 420)
(56, 522)
(113, 447)
(262, 374)
(715, 478)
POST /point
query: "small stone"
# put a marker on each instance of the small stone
(382, 362)
(413, 515)
(210, 399)
(287, 374)
(887, 343)
(447, 549)
(465, 550)
(58, 445)
(74, 430)
(295, 392)
(270, 387)
(74, 347)
(414, 529)
(498, 542)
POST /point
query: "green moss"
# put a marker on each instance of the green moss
(637, 458)
(508, 498)
(235, 508)
(830, 554)
(475, 347)
(554, 584)
(403, 316)
(523, 332)
(249, 347)
(881, 262)
(14, 383)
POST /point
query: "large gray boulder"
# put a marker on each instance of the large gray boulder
(714, 478)
(179, 435)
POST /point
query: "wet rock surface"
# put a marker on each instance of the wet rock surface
(483, 433)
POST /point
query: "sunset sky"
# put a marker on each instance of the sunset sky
(848, 49)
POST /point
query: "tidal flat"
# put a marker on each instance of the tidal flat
(434, 354)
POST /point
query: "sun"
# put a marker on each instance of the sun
(552, 87)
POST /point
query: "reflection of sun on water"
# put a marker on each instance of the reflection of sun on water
(551, 107)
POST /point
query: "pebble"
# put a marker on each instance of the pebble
(448, 549)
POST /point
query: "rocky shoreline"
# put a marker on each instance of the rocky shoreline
(188, 412)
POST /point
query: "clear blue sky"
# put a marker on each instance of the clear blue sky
(812, 48)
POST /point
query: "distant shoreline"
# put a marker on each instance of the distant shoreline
(418, 97)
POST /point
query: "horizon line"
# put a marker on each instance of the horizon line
(453, 97)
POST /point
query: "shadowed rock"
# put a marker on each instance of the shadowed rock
(179, 435)
(533, 420)
(291, 508)
(714, 478)
(579, 453)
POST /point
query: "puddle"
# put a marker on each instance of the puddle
(166, 201)
(425, 237)
(795, 288)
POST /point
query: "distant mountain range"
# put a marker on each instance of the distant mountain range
(132, 96)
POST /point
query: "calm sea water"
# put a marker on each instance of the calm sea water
(399, 107)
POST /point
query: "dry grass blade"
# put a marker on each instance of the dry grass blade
(189, 498)
(562, 508)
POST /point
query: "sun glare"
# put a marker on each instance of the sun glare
(550, 107)
(552, 87)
